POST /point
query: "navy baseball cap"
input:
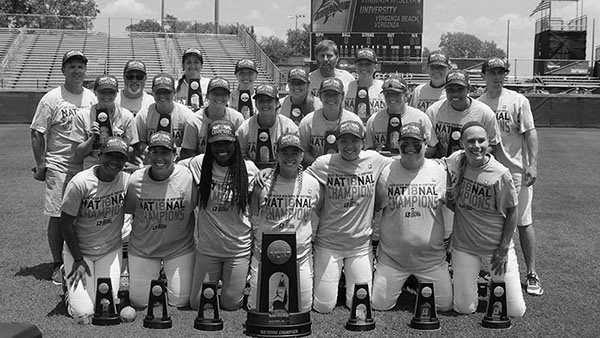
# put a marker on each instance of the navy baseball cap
(115, 144)
(298, 74)
(266, 90)
(72, 55)
(245, 64)
(289, 140)
(134, 65)
(332, 83)
(351, 127)
(161, 139)
(439, 59)
(493, 63)
(366, 54)
(221, 130)
(413, 130)
(394, 84)
(192, 51)
(218, 82)
(163, 81)
(106, 82)
(457, 76)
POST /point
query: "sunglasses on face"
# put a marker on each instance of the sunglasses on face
(138, 77)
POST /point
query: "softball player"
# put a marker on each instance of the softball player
(133, 97)
(104, 119)
(258, 135)
(52, 147)
(162, 198)
(318, 129)
(520, 145)
(326, 54)
(364, 94)
(196, 128)
(428, 93)
(241, 98)
(343, 237)
(396, 92)
(164, 115)
(91, 221)
(484, 199)
(224, 240)
(286, 203)
(412, 231)
(192, 62)
(299, 102)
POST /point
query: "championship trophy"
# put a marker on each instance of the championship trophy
(496, 315)
(453, 141)
(105, 313)
(296, 113)
(277, 313)
(157, 297)
(104, 127)
(330, 146)
(392, 139)
(482, 290)
(361, 318)
(164, 123)
(264, 150)
(194, 98)
(245, 104)
(361, 103)
(425, 316)
(209, 297)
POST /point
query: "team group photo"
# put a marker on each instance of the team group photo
(372, 185)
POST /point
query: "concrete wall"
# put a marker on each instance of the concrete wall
(549, 110)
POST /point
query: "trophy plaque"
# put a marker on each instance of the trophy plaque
(362, 104)
(361, 317)
(277, 313)
(453, 141)
(194, 98)
(392, 139)
(425, 315)
(104, 310)
(209, 298)
(496, 314)
(157, 298)
(296, 113)
(264, 150)
(104, 126)
(330, 142)
(245, 104)
(164, 123)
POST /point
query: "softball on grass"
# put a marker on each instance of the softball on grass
(128, 314)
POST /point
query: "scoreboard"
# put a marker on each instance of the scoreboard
(387, 46)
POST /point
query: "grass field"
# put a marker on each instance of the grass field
(566, 215)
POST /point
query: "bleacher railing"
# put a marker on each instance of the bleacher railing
(9, 53)
(263, 59)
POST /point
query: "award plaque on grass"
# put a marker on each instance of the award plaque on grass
(158, 299)
(361, 317)
(496, 315)
(209, 298)
(104, 311)
(425, 316)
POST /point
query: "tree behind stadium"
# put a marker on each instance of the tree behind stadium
(48, 14)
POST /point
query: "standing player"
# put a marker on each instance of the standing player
(162, 198)
(163, 115)
(241, 98)
(52, 147)
(412, 234)
(104, 119)
(364, 94)
(482, 193)
(343, 237)
(192, 88)
(300, 102)
(520, 144)
(196, 128)
(318, 129)
(449, 115)
(326, 54)
(426, 94)
(133, 97)
(285, 203)
(258, 135)
(91, 221)
(390, 120)
(224, 232)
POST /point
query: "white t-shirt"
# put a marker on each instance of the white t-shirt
(147, 122)
(412, 227)
(514, 116)
(54, 118)
(314, 127)
(134, 105)
(98, 208)
(195, 133)
(316, 78)
(424, 95)
(182, 94)
(310, 104)
(349, 199)
(377, 126)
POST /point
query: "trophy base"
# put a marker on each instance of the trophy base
(154, 323)
(297, 324)
(496, 323)
(206, 324)
(106, 320)
(360, 324)
(426, 325)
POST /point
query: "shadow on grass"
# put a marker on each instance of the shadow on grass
(59, 310)
(41, 271)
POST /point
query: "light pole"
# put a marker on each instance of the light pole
(296, 16)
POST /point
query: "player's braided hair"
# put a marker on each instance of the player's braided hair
(236, 179)
(180, 83)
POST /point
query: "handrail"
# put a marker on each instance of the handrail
(173, 55)
(9, 54)
(270, 67)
